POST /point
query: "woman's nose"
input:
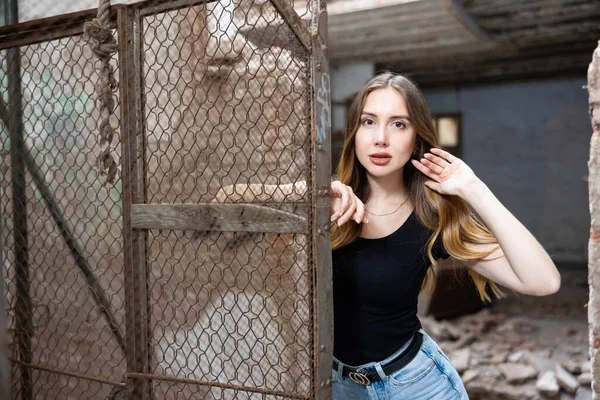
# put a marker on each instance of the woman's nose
(381, 138)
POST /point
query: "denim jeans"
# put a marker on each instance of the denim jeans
(429, 376)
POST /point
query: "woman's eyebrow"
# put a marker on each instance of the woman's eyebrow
(392, 117)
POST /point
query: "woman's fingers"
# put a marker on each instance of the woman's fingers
(436, 160)
(360, 215)
(432, 166)
(425, 170)
(444, 154)
(349, 211)
(345, 204)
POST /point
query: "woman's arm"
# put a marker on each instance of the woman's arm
(344, 203)
(521, 263)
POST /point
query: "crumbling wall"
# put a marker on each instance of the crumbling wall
(594, 247)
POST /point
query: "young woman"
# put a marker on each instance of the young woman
(408, 203)
(400, 205)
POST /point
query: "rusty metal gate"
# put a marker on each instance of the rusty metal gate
(204, 270)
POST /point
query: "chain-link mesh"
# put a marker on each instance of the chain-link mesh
(225, 100)
(222, 111)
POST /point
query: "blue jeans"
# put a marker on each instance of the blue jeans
(429, 376)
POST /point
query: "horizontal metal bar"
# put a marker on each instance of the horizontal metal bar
(286, 395)
(152, 7)
(293, 20)
(216, 217)
(46, 29)
(71, 374)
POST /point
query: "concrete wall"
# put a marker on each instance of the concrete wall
(529, 141)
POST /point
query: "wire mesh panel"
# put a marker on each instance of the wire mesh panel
(74, 259)
(223, 111)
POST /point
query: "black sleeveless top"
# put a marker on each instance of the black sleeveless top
(376, 283)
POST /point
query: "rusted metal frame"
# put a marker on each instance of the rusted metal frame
(47, 29)
(137, 313)
(250, 389)
(457, 8)
(322, 296)
(70, 374)
(293, 20)
(4, 335)
(153, 7)
(216, 217)
(23, 308)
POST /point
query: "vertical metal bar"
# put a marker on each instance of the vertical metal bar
(4, 365)
(134, 191)
(321, 173)
(23, 311)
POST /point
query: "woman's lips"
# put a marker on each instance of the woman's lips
(380, 160)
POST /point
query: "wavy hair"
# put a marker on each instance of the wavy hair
(446, 216)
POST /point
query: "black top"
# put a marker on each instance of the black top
(376, 283)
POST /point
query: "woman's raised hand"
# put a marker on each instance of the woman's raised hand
(448, 174)
(345, 205)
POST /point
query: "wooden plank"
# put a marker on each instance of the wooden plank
(371, 12)
(393, 16)
(513, 22)
(217, 217)
(389, 50)
(503, 8)
(387, 34)
(320, 205)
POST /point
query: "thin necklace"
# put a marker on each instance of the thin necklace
(390, 213)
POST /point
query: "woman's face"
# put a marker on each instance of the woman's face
(385, 139)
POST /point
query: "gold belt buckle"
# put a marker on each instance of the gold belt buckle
(359, 378)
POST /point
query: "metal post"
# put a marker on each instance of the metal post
(321, 173)
(23, 310)
(137, 311)
(4, 364)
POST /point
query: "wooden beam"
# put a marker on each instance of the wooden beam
(456, 7)
(395, 17)
(503, 8)
(538, 18)
(216, 217)
(384, 35)
(385, 51)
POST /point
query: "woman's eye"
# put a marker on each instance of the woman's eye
(367, 121)
(399, 124)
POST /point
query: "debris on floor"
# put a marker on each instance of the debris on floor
(523, 351)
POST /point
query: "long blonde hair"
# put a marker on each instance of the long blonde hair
(448, 216)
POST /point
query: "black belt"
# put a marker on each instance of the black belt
(366, 377)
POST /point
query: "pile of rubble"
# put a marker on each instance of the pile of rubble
(507, 357)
